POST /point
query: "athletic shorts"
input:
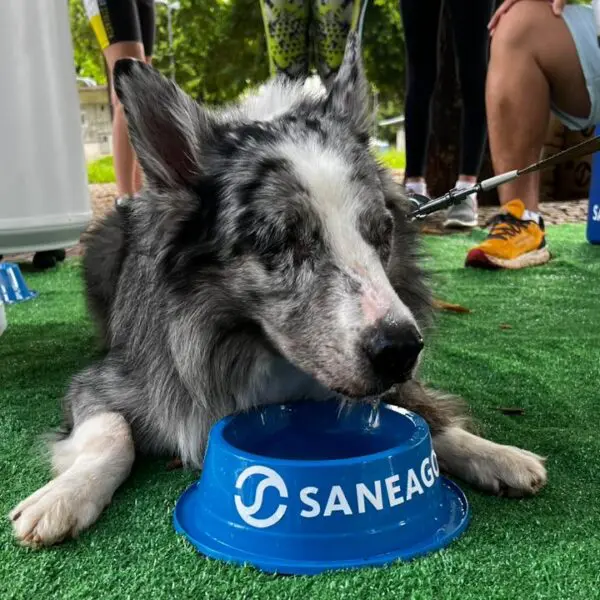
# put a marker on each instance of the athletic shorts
(581, 24)
(122, 21)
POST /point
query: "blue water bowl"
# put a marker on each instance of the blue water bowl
(309, 487)
(13, 287)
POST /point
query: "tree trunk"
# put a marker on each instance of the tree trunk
(444, 142)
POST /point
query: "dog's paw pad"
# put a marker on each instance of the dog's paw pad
(519, 473)
(50, 517)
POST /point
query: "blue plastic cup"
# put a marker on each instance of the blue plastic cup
(13, 287)
(309, 487)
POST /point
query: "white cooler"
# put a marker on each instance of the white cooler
(44, 198)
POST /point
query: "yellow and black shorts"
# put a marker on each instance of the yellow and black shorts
(122, 21)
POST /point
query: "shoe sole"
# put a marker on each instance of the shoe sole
(478, 259)
(458, 224)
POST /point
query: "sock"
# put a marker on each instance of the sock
(465, 185)
(529, 215)
(418, 187)
(124, 198)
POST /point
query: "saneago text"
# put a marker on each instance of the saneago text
(380, 494)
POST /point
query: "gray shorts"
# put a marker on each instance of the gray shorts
(581, 24)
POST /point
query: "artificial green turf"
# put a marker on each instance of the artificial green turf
(548, 363)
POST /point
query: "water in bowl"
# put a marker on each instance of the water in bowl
(330, 432)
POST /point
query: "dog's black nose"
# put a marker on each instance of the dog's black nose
(393, 351)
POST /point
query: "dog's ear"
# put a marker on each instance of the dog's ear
(167, 128)
(349, 92)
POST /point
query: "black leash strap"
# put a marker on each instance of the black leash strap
(424, 206)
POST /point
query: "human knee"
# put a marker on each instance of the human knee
(519, 27)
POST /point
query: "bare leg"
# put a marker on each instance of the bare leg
(488, 466)
(124, 156)
(137, 177)
(524, 71)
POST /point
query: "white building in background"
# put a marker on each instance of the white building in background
(95, 121)
(398, 122)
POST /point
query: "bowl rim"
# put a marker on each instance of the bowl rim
(420, 433)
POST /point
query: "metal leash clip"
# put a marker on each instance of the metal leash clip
(425, 206)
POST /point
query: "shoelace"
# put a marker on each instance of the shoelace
(505, 226)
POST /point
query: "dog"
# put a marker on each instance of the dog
(270, 258)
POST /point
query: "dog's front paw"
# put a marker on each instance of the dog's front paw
(55, 512)
(488, 466)
(514, 472)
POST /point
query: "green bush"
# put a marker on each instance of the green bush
(394, 159)
(101, 170)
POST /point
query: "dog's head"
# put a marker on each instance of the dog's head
(278, 208)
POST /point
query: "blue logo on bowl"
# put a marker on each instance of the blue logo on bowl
(303, 488)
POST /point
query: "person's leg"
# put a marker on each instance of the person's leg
(471, 40)
(138, 180)
(525, 70)
(527, 77)
(332, 21)
(116, 24)
(123, 153)
(421, 21)
(286, 28)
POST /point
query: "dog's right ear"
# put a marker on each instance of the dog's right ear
(349, 92)
(167, 128)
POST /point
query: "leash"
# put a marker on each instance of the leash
(424, 206)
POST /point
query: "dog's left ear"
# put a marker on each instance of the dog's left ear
(168, 130)
(349, 92)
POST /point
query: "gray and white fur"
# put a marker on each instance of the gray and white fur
(268, 259)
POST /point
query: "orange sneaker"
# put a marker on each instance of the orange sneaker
(513, 243)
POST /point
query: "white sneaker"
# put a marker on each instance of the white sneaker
(463, 215)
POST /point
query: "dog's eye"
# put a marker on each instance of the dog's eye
(378, 232)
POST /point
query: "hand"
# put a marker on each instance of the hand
(557, 8)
